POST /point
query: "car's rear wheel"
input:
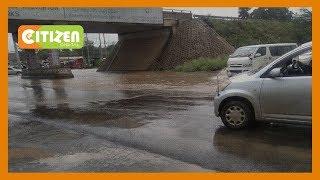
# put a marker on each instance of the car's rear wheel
(236, 115)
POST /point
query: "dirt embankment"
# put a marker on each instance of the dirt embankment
(189, 40)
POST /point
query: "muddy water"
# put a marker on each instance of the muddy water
(108, 98)
(91, 80)
(140, 121)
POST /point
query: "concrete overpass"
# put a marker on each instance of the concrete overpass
(145, 34)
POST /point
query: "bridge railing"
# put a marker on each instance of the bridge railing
(239, 19)
(177, 10)
(176, 14)
(217, 17)
(187, 13)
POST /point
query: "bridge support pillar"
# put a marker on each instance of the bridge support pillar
(136, 51)
(35, 70)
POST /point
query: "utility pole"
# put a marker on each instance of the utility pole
(87, 47)
(100, 47)
(105, 45)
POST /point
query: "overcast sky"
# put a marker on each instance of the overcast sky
(112, 38)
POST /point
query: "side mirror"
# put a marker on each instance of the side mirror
(276, 72)
(257, 55)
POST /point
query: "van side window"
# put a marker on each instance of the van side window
(262, 51)
(280, 50)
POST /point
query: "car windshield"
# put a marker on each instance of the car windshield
(244, 52)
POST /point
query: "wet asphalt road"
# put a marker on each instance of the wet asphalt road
(138, 122)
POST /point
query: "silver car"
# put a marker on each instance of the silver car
(281, 92)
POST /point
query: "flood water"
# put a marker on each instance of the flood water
(138, 122)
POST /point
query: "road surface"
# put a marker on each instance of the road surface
(139, 122)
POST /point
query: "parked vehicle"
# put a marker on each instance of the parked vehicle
(14, 71)
(256, 56)
(280, 92)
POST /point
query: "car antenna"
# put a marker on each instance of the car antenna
(218, 88)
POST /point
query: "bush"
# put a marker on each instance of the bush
(203, 64)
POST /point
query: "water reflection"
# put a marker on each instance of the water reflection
(281, 144)
(61, 95)
(122, 108)
(55, 103)
(37, 92)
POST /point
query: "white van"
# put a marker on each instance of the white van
(253, 57)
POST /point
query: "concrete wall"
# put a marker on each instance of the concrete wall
(136, 51)
(111, 15)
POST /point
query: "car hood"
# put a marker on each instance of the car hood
(239, 60)
(245, 76)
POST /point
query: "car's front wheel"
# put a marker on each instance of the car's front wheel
(236, 115)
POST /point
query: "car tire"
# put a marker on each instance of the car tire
(18, 73)
(236, 115)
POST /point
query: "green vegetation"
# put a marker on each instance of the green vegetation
(280, 13)
(255, 26)
(257, 31)
(203, 64)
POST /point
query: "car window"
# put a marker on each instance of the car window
(297, 66)
(280, 50)
(243, 52)
(262, 51)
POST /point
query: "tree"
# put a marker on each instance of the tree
(305, 14)
(280, 13)
(259, 13)
(272, 13)
(244, 12)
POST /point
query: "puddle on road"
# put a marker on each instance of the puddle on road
(126, 100)
(89, 79)
(28, 153)
(268, 143)
(151, 102)
(128, 113)
(98, 118)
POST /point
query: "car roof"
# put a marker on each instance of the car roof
(276, 44)
(308, 44)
